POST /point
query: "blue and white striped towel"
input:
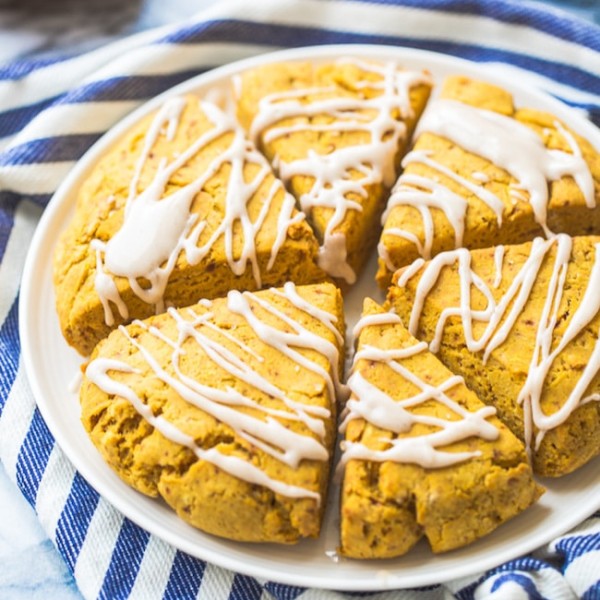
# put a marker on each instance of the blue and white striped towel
(52, 111)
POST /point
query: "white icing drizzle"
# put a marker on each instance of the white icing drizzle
(265, 432)
(486, 196)
(156, 228)
(512, 146)
(498, 260)
(432, 195)
(372, 404)
(386, 318)
(504, 141)
(97, 372)
(424, 193)
(334, 175)
(285, 342)
(480, 176)
(500, 316)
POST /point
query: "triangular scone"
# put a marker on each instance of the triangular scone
(182, 208)
(521, 324)
(226, 409)
(423, 455)
(482, 173)
(336, 133)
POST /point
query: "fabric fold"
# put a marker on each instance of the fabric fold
(51, 112)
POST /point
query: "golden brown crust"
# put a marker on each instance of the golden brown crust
(567, 210)
(100, 212)
(387, 507)
(203, 494)
(499, 380)
(360, 228)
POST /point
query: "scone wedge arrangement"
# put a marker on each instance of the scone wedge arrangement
(484, 172)
(422, 455)
(226, 409)
(184, 207)
(201, 271)
(521, 324)
(336, 133)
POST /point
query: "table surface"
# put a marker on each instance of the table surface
(31, 567)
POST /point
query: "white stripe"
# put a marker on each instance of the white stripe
(97, 549)
(15, 421)
(26, 218)
(417, 23)
(42, 178)
(153, 574)
(70, 119)
(54, 490)
(216, 583)
(582, 573)
(163, 59)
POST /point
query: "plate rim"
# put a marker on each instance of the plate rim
(59, 206)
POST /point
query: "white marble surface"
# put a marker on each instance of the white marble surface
(30, 566)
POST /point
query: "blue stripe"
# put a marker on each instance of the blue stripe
(125, 562)
(592, 593)
(10, 348)
(15, 119)
(53, 149)
(245, 588)
(140, 87)
(527, 563)
(8, 205)
(296, 36)
(185, 577)
(523, 581)
(560, 24)
(574, 546)
(284, 592)
(7, 198)
(557, 23)
(21, 68)
(75, 519)
(33, 457)
(135, 87)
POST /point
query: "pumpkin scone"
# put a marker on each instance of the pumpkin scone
(335, 133)
(484, 172)
(521, 324)
(422, 455)
(182, 208)
(227, 409)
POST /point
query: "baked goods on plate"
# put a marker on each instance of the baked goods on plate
(182, 207)
(309, 562)
(484, 171)
(422, 455)
(521, 325)
(226, 409)
(336, 133)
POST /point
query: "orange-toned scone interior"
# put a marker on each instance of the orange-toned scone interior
(226, 410)
(336, 133)
(425, 457)
(465, 199)
(520, 323)
(219, 221)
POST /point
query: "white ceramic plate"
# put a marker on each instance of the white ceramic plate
(52, 366)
